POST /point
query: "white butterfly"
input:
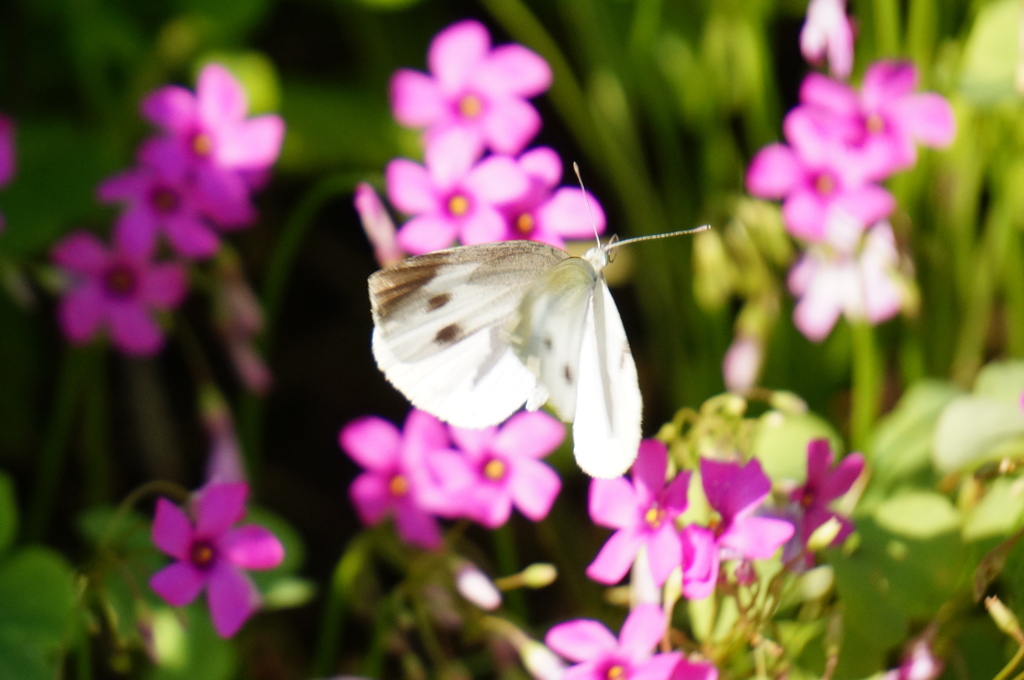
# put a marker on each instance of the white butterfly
(471, 334)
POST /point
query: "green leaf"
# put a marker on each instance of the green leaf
(997, 513)
(36, 589)
(976, 429)
(781, 443)
(188, 648)
(226, 20)
(990, 54)
(917, 514)
(8, 513)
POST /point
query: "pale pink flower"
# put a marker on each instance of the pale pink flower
(7, 156)
(643, 512)
(474, 88)
(741, 365)
(377, 224)
(827, 31)
(115, 289)
(211, 553)
(453, 197)
(860, 285)
(504, 468)
(600, 656)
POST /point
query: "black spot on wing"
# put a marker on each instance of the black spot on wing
(568, 374)
(449, 335)
(438, 301)
(548, 344)
(394, 287)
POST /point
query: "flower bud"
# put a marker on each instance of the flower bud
(474, 585)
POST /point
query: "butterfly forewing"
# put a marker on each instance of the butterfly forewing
(548, 329)
(441, 329)
(606, 430)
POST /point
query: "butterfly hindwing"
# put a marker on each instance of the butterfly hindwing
(606, 430)
(441, 329)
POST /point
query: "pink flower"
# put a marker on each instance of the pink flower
(828, 32)
(505, 470)
(238, 318)
(6, 155)
(547, 214)
(735, 492)
(742, 363)
(208, 134)
(451, 197)
(884, 120)
(695, 670)
(858, 285)
(399, 480)
(601, 656)
(473, 88)
(643, 513)
(377, 224)
(210, 554)
(116, 289)
(824, 484)
(818, 175)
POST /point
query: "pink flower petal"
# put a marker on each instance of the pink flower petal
(542, 164)
(164, 286)
(7, 154)
(700, 562)
(733, 489)
(372, 442)
(81, 252)
(867, 204)
(532, 434)
(887, 81)
(616, 556)
(136, 230)
(842, 478)
(456, 52)
(191, 237)
(425, 234)
(371, 496)
(805, 215)
(664, 552)
(123, 186)
(534, 488)
(496, 180)
(417, 527)
(232, 598)
(492, 507)
(172, 530)
(566, 214)
(832, 96)
(612, 503)
(581, 640)
(641, 631)
(674, 497)
(648, 471)
(927, 117)
(410, 187)
(512, 70)
(774, 172)
(416, 98)
(217, 507)
(253, 144)
(450, 157)
(756, 537)
(171, 107)
(484, 225)
(816, 314)
(819, 461)
(178, 583)
(509, 125)
(658, 667)
(220, 96)
(252, 547)
(476, 442)
(133, 330)
(80, 313)
(424, 432)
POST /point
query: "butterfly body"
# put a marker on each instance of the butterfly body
(473, 333)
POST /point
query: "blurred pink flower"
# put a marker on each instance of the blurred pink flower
(742, 363)
(7, 158)
(547, 214)
(377, 224)
(474, 88)
(117, 289)
(859, 285)
(505, 470)
(601, 656)
(695, 670)
(238, 318)
(735, 492)
(210, 552)
(399, 480)
(919, 661)
(643, 512)
(817, 175)
(810, 501)
(827, 31)
(886, 119)
(453, 196)
(209, 135)
(476, 587)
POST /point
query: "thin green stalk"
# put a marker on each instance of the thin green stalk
(887, 27)
(55, 445)
(1014, 662)
(95, 429)
(351, 562)
(867, 383)
(508, 563)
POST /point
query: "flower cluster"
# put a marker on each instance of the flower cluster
(477, 184)
(210, 553)
(429, 470)
(194, 179)
(841, 143)
(6, 155)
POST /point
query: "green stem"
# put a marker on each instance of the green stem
(1014, 662)
(867, 383)
(508, 563)
(887, 27)
(351, 562)
(95, 430)
(58, 431)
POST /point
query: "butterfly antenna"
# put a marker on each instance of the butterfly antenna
(593, 221)
(651, 237)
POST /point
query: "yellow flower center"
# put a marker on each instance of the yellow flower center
(398, 486)
(824, 184)
(164, 200)
(470, 106)
(525, 224)
(202, 145)
(201, 554)
(654, 516)
(874, 124)
(495, 469)
(120, 281)
(458, 205)
(616, 672)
